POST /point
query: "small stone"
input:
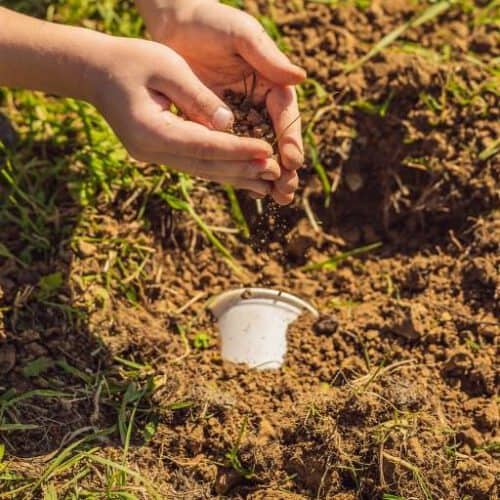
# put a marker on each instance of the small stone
(226, 480)
(326, 325)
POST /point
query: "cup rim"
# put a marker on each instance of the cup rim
(219, 304)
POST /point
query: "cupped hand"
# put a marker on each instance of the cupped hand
(135, 83)
(229, 49)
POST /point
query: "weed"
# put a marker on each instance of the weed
(201, 340)
(233, 454)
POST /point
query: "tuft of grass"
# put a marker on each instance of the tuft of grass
(201, 341)
(233, 454)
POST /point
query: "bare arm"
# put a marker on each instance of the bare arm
(39, 55)
(133, 82)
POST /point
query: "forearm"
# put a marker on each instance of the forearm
(53, 58)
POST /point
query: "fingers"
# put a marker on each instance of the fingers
(188, 139)
(284, 188)
(258, 189)
(284, 111)
(282, 198)
(259, 50)
(179, 83)
(232, 172)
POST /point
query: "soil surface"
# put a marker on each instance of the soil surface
(394, 390)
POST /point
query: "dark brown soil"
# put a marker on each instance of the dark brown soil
(394, 390)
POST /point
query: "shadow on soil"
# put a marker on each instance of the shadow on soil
(379, 196)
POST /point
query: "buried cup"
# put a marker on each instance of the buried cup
(253, 323)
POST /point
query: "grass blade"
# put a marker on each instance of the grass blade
(318, 166)
(236, 211)
(17, 427)
(332, 263)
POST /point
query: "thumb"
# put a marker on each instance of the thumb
(260, 51)
(196, 101)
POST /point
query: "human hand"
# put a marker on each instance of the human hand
(135, 83)
(226, 47)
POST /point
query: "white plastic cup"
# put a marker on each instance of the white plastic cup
(253, 323)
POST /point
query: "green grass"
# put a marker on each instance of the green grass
(232, 456)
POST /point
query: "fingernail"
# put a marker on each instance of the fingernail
(222, 119)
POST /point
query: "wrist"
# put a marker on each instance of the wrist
(98, 66)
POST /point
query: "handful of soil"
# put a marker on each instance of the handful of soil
(251, 120)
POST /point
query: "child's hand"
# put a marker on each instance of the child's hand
(134, 85)
(225, 47)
